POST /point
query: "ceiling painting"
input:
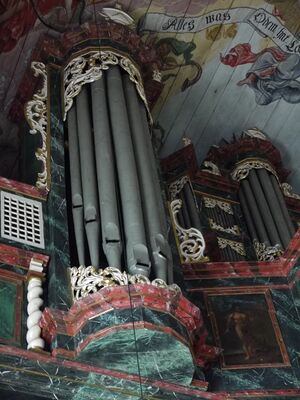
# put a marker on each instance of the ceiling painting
(226, 65)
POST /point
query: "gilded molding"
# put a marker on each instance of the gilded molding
(36, 116)
(89, 67)
(209, 202)
(176, 187)
(234, 230)
(191, 241)
(88, 280)
(288, 191)
(265, 253)
(211, 168)
(238, 247)
(243, 168)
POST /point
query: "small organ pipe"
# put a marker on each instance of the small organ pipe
(274, 206)
(282, 204)
(190, 202)
(158, 243)
(264, 208)
(106, 177)
(76, 189)
(247, 215)
(136, 249)
(257, 218)
(88, 175)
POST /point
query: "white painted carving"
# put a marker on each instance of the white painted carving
(289, 191)
(210, 202)
(191, 241)
(255, 133)
(116, 15)
(238, 247)
(242, 169)
(89, 67)
(88, 280)
(35, 302)
(36, 115)
(211, 168)
(176, 187)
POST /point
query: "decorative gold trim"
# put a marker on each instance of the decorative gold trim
(211, 168)
(238, 247)
(88, 280)
(234, 230)
(288, 191)
(36, 115)
(212, 203)
(243, 168)
(191, 242)
(89, 66)
(176, 187)
(265, 253)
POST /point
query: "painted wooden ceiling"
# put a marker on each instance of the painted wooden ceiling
(227, 65)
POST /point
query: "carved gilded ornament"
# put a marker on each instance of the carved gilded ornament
(211, 168)
(176, 187)
(88, 280)
(243, 168)
(288, 191)
(191, 241)
(36, 116)
(238, 247)
(234, 230)
(267, 253)
(210, 202)
(89, 67)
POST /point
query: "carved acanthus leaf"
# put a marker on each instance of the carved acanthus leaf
(176, 187)
(36, 116)
(89, 67)
(242, 169)
(238, 247)
(234, 230)
(267, 253)
(191, 241)
(209, 202)
(88, 280)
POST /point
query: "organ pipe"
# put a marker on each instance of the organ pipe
(106, 175)
(88, 174)
(153, 223)
(136, 248)
(76, 189)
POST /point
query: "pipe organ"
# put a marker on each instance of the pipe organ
(116, 196)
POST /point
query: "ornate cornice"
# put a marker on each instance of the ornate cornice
(89, 67)
(88, 280)
(36, 116)
(191, 242)
(242, 169)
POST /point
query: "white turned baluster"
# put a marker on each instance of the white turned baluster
(35, 302)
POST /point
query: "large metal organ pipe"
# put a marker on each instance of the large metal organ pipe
(119, 184)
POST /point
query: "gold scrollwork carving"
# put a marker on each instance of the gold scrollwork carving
(267, 253)
(243, 168)
(191, 241)
(88, 280)
(234, 230)
(288, 191)
(89, 67)
(209, 202)
(238, 247)
(176, 187)
(211, 168)
(36, 116)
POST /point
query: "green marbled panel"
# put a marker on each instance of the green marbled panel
(8, 293)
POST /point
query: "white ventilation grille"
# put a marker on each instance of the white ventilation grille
(22, 220)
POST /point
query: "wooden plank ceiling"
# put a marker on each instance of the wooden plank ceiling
(227, 66)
